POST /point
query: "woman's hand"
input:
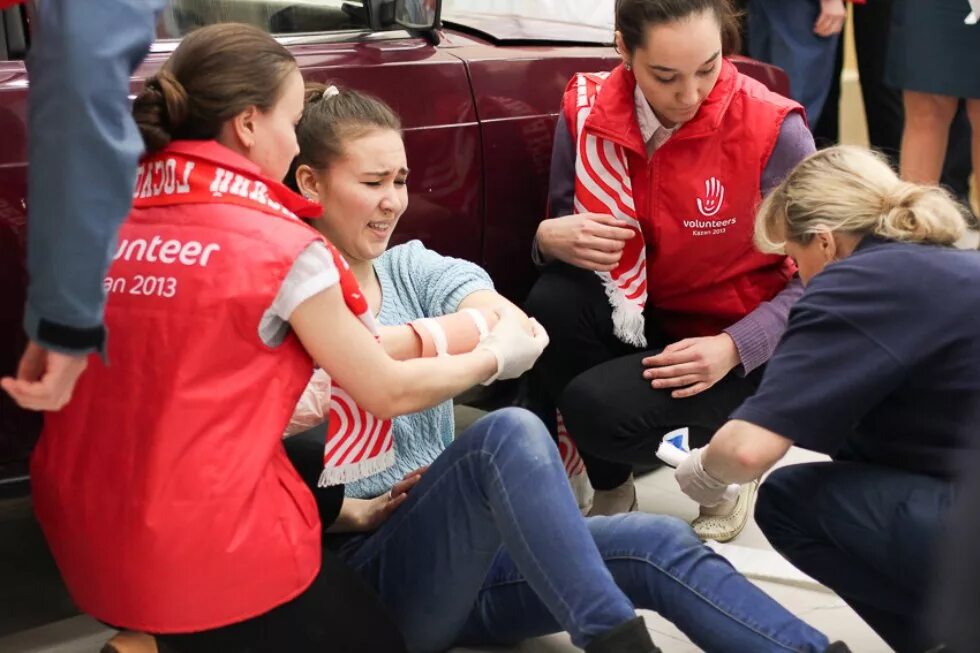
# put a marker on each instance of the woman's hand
(833, 13)
(693, 365)
(592, 241)
(515, 342)
(370, 514)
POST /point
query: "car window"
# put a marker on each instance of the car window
(274, 16)
(595, 13)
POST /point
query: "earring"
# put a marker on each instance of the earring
(628, 66)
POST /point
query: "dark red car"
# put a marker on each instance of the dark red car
(478, 96)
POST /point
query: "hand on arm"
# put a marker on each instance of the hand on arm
(591, 241)
(340, 344)
(692, 365)
(362, 515)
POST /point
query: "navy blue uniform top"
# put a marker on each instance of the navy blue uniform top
(881, 360)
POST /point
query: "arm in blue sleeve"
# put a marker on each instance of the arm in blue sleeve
(83, 152)
(437, 283)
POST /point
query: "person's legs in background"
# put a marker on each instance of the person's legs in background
(660, 565)
(925, 136)
(866, 532)
(883, 106)
(500, 483)
(972, 111)
(882, 103)
(826, 132)
(781, 33)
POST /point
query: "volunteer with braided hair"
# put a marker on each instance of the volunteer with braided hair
(487, 546)
(163, 488)
(660, 311)
(880, 369)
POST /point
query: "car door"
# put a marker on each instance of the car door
(18, 428)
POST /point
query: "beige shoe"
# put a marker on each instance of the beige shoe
(130, 642)
(724, 522)
(582, 490)
(615, 501)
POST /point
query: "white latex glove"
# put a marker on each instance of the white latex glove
(698, 484)
(515, 349)
(313, 407)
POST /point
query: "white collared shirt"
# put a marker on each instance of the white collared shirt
(651, 129)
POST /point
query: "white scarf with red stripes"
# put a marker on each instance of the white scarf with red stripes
(602, 185)
(358, 443)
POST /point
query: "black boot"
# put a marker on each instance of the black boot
(629, 637)
(837, 647)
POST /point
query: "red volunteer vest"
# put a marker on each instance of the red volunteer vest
(163, 487)
(696, 199)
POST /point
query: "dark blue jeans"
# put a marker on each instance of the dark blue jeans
(864, 531)
(490, 548)
(781, 33)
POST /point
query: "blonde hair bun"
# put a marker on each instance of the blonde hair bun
(853, 190)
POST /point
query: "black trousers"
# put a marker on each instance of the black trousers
(338, 613)
(869, 533)
(615, 418)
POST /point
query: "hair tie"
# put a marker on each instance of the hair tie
(329, 92)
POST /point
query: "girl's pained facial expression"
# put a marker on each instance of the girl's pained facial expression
(364, 193)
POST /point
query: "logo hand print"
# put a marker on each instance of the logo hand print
(714, 197)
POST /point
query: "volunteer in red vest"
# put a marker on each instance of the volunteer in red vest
(660, 310)
(163, 488)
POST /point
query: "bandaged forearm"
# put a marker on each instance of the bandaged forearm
(457, 333)
(313, 407)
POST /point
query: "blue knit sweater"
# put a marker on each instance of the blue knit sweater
(417, 282)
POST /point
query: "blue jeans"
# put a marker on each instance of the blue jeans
(781, 33)
(866, 532)
(490, 548)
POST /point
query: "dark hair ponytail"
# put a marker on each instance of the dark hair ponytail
(333, 115)
(634, 17)
(214, 74)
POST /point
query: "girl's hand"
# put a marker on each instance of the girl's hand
(591, 241)
(693, 365)
(376, 511)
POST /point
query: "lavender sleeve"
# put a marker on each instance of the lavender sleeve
(757, 334)
(561, 183)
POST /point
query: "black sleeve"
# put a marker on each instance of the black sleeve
(825, 376)
(561, 185)
(305, 452)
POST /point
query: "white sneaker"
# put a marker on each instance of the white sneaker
(724, 522)
(613, 502)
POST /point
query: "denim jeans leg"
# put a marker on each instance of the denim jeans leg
(784, 31)
(500, 483)
(662, 566)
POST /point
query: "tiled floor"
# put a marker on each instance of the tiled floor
(657, 493)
